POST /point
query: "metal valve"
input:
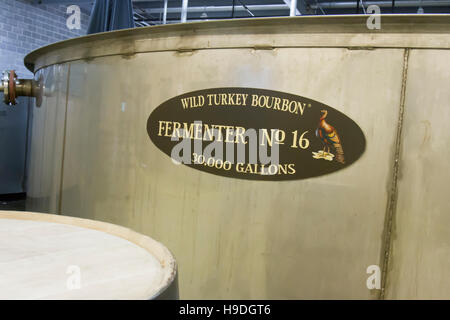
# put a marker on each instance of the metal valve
(13, 87)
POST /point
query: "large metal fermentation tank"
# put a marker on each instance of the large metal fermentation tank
(92, 157)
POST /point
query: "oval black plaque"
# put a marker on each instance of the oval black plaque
(255, 134)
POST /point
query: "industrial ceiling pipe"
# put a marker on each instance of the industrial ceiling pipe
(324, 5)
(165, 12)
(293, 8)
(406, 3)
(221, 8)
(184, 11)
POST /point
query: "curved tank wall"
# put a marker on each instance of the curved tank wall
(91, 156)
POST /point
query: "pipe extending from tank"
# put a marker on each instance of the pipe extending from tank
(12, 87)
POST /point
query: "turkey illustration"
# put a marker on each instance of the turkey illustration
(330, 138)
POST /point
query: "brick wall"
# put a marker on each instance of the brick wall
(26, 25)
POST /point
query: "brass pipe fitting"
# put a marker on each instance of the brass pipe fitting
(13, 87)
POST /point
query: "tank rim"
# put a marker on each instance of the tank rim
(402, 23)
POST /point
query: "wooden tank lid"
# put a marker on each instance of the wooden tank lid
(42, 256)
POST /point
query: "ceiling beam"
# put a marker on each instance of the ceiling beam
(62, 1)
(177, 20)
(220, 8)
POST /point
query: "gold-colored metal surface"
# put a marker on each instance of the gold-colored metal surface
(24, 87)
(47, 142)
(92, 157)
(421, 244)
(232, 236)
